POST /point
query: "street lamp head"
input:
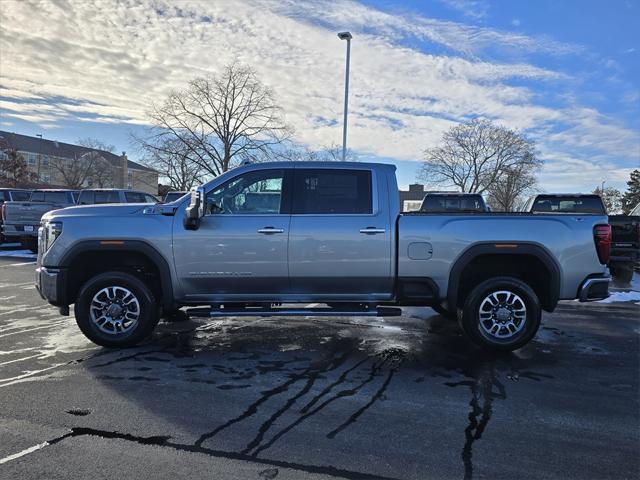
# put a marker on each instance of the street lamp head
(345, 36)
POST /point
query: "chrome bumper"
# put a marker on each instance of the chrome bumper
(594, 289)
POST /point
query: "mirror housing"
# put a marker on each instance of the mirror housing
(195, 211)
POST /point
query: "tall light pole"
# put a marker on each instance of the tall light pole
(345, 36)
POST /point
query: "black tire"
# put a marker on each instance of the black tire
(175, 316)
(622, 273)
(30, 244)
(470, 322)
(443, 311)
(147, 310)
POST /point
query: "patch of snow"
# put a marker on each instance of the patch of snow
(631, 296)
(18, 253)
(635, 282)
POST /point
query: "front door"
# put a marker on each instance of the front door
(240, 249)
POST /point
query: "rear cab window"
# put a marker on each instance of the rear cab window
(569, 204)
(325, 191)
(453, 203)
(20, 196)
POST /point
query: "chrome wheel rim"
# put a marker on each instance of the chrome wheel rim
(114, 310)
(503, 314)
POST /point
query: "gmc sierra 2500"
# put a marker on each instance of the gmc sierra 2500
(261, 237)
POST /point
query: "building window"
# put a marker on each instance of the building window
(44, 177)
(45, 161)
(129, 185)
(32, 158)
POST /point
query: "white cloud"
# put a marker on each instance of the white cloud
(474, 9)
(107, 63)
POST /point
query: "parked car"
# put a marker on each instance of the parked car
(11, 195)
(173, 196)
(21, 219)
(625, 247)
(625, 229)
(442, 202)
(96, 196)
(261, 236)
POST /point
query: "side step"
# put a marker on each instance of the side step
(292, 312)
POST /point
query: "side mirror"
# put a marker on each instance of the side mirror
(195, 211)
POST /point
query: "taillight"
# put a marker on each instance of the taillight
(602, 236)
(2, 207)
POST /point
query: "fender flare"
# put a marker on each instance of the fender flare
(137, 246)
(506, 249)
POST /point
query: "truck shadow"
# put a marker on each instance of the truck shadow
(291, 373)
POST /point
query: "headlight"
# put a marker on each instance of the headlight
(51, 232)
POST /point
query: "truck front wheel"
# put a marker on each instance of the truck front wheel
(116, 309)
(502, 313)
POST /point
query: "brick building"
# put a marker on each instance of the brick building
(56, 162)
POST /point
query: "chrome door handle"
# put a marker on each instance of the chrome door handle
(269, 230)
(372, 230)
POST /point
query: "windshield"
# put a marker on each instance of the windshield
(558, 204)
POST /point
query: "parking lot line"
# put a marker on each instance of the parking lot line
(17, 264)
(18, 360)
(24, 452)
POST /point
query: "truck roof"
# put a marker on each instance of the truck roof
(316, 164)
(566, 195)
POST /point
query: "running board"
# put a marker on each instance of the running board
(295, 312)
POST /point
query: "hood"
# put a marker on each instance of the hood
(105, 210)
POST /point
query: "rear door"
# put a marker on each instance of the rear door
(340, 235)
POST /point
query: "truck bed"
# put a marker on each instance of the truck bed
(568, 238)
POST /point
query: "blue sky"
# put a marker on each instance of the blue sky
(565, 73)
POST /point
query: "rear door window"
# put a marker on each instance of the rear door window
(106, 197)
(332, 191)
(56, 197)
(37, 197)
(134, 197)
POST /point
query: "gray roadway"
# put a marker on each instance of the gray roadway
(403, 398)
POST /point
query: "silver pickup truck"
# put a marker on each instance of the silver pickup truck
(269, 238)
(21, 219)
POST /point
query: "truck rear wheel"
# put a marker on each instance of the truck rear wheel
(116, 309)
(502, 313)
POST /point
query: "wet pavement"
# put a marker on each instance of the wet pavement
(247, 398)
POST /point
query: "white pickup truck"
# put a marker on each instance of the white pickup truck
(269, 238)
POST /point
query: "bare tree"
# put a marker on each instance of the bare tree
(612, 198)
(173, 160)
(89, 168)
(14, 171)
(220, 119)
(476, 154)
(507, 191)
(301, 153)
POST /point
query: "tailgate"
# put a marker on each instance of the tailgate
(21, 213)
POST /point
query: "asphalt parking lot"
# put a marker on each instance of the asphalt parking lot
(355, 398)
